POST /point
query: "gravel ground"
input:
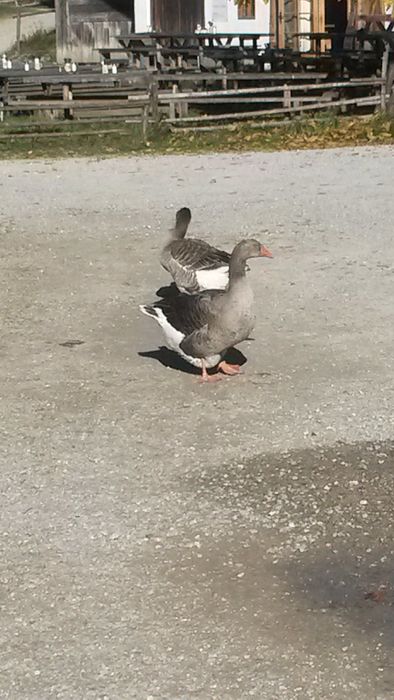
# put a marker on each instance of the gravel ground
(163, 540)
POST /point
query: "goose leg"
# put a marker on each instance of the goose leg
(205, 377)
(226, 368)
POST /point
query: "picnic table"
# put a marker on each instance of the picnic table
(351, 40)
(196, 39)
(320, 40)
(185, 50)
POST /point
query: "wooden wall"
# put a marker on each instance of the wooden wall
(82, 25)
(177, 15)
(285, 17)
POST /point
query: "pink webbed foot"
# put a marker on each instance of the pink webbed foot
(205, 377)
(226, 368)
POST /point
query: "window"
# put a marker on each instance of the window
(246, 9)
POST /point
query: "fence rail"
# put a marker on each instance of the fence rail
(158, 100)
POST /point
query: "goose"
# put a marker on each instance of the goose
(202, 327)
(193, 264)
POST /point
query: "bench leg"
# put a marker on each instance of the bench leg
(4, 98)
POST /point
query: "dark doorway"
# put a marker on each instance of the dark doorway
(181, 16)
(336, 20)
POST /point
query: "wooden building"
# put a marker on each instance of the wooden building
(84, 25)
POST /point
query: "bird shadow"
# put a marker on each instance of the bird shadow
(168, 291)
(169, 358)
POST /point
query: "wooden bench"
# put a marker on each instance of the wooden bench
(142, 55)
(107, 52)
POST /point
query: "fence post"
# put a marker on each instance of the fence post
(184, 106)
(145, 120)
(286, 96)
(172, 112)
(154, 99)
(18, 26)
(385, 63)
(224, 81)
(67, 97)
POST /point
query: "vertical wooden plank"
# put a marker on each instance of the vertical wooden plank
(280, 23)
(144, 122)
(154, 99)
(18, 26)
(224, 80)
(322, 14)
(67, 97)
(62, 29)
(273, 28)
(315, 15)
(172, 113)
(5, 90)
(295, 25)
(385, 63)
(184, 108)
(286, 96)
(4, 97)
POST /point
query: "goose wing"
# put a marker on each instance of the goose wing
(188, 313)
(194, 254)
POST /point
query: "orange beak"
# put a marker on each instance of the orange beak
(265, 253)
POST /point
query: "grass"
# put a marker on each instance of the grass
(41, 43)
(8, 9)
(84, 139)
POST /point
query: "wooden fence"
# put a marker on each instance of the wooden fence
(160, 101)
(279, 100)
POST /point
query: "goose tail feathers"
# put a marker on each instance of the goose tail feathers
(182, 221)
(149, 310)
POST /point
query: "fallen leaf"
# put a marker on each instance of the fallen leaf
(376, 596)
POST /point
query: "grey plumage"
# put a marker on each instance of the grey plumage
(203, 326)
(185, 259)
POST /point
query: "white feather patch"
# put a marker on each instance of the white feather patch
(174, 338)
(213, 279)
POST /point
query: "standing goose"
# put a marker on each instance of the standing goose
(202, 327)
(193, 264)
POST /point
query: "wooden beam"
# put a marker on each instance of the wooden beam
(318, 16)
(358, 101)
(273, 28)
(277, 23)
(280, 31)
(295, 26)
(62, 21)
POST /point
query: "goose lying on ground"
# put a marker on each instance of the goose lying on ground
(193, 264)
(202, 327)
